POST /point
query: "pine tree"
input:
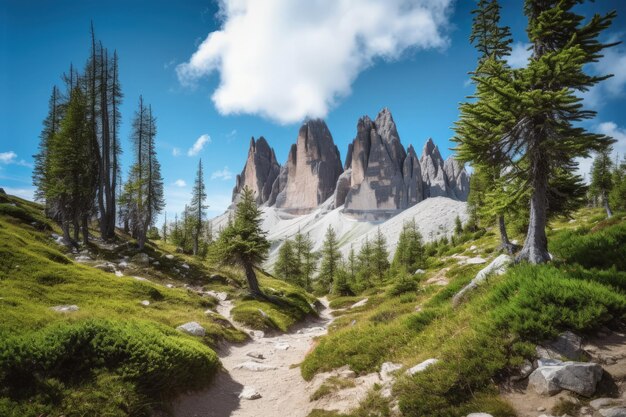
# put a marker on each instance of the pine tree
(331, 259)
(409, 254)
(164, 229)
(307, 259)
(365, 265)
(243, 242)
(287, 266)
(352, 266)
(476, 134)
(602, 178)
(68, 149)
(380, 256)
(617, 197)
(529, 118)
(198, 208)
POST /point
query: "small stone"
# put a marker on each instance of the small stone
(141, 259)
(281, 346)
(65, 308)
(419, 272)
(119, 274)
(169, 286)
(145, 303)
(156, 263)
(122, 265)
(255, 366)
(169, 256)
(249, 393)
(193, 328)
(541, 409)
(255, 354)
(185, 266)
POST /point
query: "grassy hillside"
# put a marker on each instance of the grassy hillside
(114, 356)
(485, 339)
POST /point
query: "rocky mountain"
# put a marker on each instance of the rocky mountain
(311, 172)
(259, 173)
(379, 179)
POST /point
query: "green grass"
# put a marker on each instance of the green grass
(332, 384)
(113, 356)
(493, 331)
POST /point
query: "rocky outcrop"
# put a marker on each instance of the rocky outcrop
(458, 180)
(443, 178)
(312, 169)
(259, 173)
(555, 376)
(377, 183)
(413, 182)
(342, 187)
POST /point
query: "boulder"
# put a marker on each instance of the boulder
(68, 308)
(566, 345)
(259, 172)
(578, 377)
(312, 169)
(193, 328)
(141, 259)
(497, 267)
(421, 367)
(249, 393)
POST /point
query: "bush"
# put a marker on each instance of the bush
(404, 283)
(157, 361)
(603, 248)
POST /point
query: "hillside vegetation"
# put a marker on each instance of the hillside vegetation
(119, 354)
(483, 341)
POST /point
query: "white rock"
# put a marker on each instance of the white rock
(169, 256)
(169, 286)
(578, 377)
(83, 258)
(281, 346)
(497, 267)
(359, 303)
(185, 266)
(122, 265)
(613, 412)
(145, 303)
(193, 328)
(156, 263)
(599, 403)
(422, 366)
(475, 261)
(255, 366)
(419, 272)
(258, 334)
(387, 369)
(249, 393)
(65, 308)
(119, 274)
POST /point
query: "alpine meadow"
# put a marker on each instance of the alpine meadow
(477, 268)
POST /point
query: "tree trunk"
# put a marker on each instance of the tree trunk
(535, 249)
(76, 229)
(85, 230)
(605, 199)
(505, 243)
(253, 283)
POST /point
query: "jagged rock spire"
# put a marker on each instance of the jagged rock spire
(259, 173)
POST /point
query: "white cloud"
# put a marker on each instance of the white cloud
(619, 148)
(613, 62)
(180, 183)
(223, 174)
(285, 59)
(176, 152)
(27, 193)
(198, 145)
(7, 157)
(520, 54)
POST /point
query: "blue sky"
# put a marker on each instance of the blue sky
(260, 72)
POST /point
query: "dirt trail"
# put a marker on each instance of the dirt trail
(282, 389)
